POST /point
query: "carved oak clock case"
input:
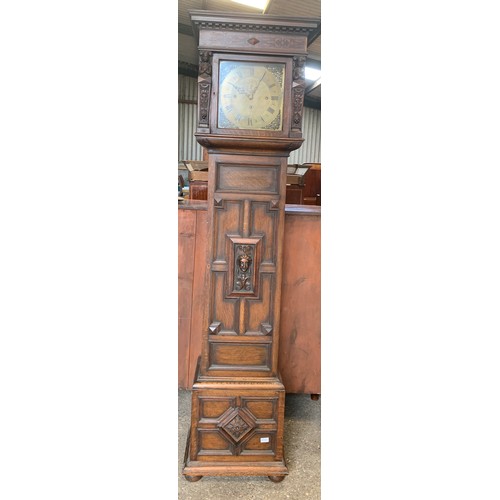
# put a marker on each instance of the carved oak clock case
(250, 101)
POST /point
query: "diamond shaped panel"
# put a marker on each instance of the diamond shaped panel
(237, 423)
(237, 427)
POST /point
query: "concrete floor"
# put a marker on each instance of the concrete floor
(302, 452)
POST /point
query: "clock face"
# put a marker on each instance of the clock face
(251, 95)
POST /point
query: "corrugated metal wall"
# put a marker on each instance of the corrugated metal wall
(189, 149)
(310, 151)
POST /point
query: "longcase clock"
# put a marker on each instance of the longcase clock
(250, 102)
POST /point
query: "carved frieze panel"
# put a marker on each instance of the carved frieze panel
(245, 27)
(249, 40)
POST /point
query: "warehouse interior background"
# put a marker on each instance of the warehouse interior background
(89, 149)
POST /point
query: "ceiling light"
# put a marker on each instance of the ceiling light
(256, 4)
(312, 73)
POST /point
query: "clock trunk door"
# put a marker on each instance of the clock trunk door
(246, 226)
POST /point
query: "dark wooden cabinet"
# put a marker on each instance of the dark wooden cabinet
(250, 103)
(312, 185)
(198, 190)
(198, 179)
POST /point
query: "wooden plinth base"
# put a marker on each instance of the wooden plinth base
(195, 470)
(236, 428)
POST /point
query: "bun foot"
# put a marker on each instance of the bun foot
(276, 479)
(193, 479)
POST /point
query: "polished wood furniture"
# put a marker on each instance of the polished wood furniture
(300, 339)
(312, 185)
(198, 179)
(250, 102)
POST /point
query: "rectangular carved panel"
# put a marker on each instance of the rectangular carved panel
(244, 258)
(245, 41)
(260, 312)
(211, 442)
(243, 179)
(227, 220)
(244, 268)
(261, 408)
(234, 355)
(213, 408)
(260, 443)
(264, 224)
(225, 312)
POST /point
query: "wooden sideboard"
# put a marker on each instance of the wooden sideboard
(312, 185)
(300, 336)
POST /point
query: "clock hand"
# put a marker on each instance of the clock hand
(239, 89)
(257, 86)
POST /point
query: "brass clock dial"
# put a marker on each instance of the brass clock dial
(251, 95)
